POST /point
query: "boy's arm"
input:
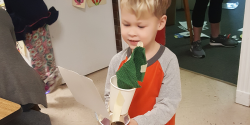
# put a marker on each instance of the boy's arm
(113, 67)
(111, 72)
(168, 99)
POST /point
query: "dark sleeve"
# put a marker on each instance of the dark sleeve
(8, 6)
(27, 9)
(16, 7)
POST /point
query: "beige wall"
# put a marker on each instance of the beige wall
(83, 39)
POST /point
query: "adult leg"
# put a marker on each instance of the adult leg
(198, 17)
(43, 61)
(214, 14)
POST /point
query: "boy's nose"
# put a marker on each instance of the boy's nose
(131, 33)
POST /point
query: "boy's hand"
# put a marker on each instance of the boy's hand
(132, 122)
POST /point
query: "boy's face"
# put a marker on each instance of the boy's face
(134, 30)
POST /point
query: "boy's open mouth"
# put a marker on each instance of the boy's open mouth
(134, 42)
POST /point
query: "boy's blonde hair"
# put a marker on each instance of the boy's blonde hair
(140, 7)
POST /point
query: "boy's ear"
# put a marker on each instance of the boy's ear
(162, 22)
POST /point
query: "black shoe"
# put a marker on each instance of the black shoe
(223, 41)
(197, 50)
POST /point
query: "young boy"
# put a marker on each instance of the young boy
(155, 103)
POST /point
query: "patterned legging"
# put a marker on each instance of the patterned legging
(42, 57)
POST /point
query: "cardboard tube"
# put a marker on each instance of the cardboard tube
(117, 123)
(126, 93)
(118, 107)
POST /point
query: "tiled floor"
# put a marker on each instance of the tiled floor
(205, 102)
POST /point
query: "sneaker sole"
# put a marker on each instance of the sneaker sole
(219, 44)
(197, 56)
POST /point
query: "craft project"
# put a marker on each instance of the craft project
(133, 70)
(85, 92)
(79, 3)
(125, 82)
(92, 3)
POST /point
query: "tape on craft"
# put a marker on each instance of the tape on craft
(144, 68)
(140, 44)
(118, 107)
(129, 58)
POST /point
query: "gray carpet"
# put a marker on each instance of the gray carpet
(220, 63)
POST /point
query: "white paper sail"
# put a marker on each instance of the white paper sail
(84, 91)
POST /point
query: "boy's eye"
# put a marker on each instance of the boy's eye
(141, 27)
(126, 24)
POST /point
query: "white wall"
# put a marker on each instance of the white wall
(83, 39)
(243, 84)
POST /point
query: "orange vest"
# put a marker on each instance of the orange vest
(145, 97)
